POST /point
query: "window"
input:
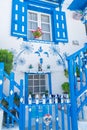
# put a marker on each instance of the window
(37, 83)
(42, 20)
(29, 15)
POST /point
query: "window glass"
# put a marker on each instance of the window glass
(46, 36)
(37, 83)
(42, 20)
(45, 27)
(32, 16)
(45, 18)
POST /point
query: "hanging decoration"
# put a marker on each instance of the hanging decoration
(39, 52)
(18, 60)
(63, 56)
(37, 33)
(47, 119)
(77, 15)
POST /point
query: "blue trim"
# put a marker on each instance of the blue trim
(26, 88)
(78, 5)
(43, 3)
(40, 9)
(59, 27)
(19, 13)
(50, 83)
(1, 78)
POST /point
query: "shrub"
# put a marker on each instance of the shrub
(7, 58)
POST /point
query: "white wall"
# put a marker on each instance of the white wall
(76, 31)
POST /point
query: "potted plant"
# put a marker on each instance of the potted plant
(37, 33)
(48, 66)
(46, 93)
(66, 73)
(65, 87)
(30, 66)
(7, 58)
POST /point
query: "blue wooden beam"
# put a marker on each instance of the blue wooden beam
(78, 5)
(44, 3)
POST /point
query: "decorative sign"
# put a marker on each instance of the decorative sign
(75, 42)
(77, 15)
(47, 119)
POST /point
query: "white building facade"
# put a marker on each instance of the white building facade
(38, 56)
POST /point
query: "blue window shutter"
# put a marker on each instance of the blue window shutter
(19, 19)
(59, 28)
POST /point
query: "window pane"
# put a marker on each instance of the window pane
(45, 18)
(30, 82)
(45, 27)
(36, 82)
(36, 89)
(30, 76)
(36, 76)
(32, 25)
(32, 16)
(30, 35)
(46, 36)
(42, 89)
(30, 89)
(42, 82)
(42, 76)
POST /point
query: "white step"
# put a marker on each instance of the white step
(82, 125)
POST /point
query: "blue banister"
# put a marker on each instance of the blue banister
(72, 96)
(11, 91)
(1, 78)
(77, 53)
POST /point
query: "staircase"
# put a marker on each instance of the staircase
(9, 103)
(77, 66)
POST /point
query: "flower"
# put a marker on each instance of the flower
(37, 33)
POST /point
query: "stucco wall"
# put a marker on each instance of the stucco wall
(76, 32)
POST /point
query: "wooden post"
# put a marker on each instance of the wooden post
(1, 78)
(72, 96)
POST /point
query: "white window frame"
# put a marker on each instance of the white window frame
(39, 84)
(39, 23)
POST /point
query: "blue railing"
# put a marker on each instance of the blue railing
(39, 114)
(47, 114)
(8, 102)
(77, 68)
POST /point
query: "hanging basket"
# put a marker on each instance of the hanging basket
(37, 33)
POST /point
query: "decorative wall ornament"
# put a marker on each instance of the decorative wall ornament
(25, 48)
(75, 42)
(47, 119)
(39, 67)
(21, 61)
(63, 56)
(39, 52)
